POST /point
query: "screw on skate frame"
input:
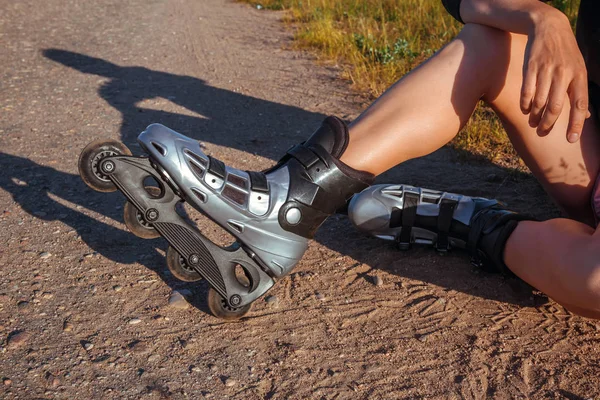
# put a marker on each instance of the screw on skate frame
(108, 166)
(152, 215)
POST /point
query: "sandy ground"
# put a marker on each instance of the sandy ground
(84, 309)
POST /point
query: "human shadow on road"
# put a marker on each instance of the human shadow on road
(225, 118)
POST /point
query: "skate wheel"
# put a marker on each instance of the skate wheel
(220, 309)
(89, 163)
(180, 268)
(135, 220)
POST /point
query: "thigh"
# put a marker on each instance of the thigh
(566, 171)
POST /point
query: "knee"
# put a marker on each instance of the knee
(486, 39)
(493, 50)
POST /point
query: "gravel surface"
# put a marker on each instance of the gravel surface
(87, 310)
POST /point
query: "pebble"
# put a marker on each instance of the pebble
(423, 338)
(229, 382)
(377, 280)
(195, 369)
(47, 295)
(138, 347)
(320, 296)
(178, 301)
(271, 300)
(153, 358)
(117, 288)
(44, 255)
(87, 345)
(17, 339)
(134, 321)
(7, 382)
(23, 305)
(67, 327)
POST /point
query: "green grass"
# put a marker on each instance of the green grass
(379, 41)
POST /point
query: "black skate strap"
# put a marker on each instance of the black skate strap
(304, 155)
(409, 215)
(216, 167)
(447, 207)
(258, 182)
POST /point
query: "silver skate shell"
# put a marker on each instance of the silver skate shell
(251, 216)
(371, 211)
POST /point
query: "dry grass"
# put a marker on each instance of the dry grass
(378, 41)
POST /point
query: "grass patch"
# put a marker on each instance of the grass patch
(379, 41)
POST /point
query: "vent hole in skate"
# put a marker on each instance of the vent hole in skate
(242, 276)
(152, 187)
(318, 169)
(214, 180)
(160, 148)
(260, 197)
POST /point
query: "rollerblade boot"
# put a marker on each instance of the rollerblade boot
(272, 214)
(411, 215)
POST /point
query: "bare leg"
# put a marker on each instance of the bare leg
(425, 110)
(560, 257)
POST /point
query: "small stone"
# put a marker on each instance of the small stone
(134, 321)
(7, 382)
(195, 369)
(273, 300)
(423, 338)
(153, 358)
(17, 339)
(117, 288)
(44, 255)
(212, 367)
(67, 327)
(55, 382)
(320, 296)
(23, 305)
(178, 301)
(87, 345)
(229, 382)
(47, 295)
(138, 347)
(377, 280)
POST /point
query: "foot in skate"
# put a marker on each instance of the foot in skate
(272, 214)
(411, 215)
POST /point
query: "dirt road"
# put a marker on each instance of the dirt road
(84, 305)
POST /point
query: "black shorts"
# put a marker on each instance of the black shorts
(594, 93)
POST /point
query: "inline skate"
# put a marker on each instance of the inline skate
(411, 215)
(272, 214)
